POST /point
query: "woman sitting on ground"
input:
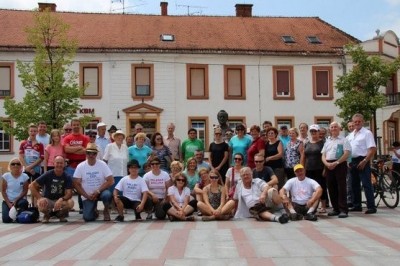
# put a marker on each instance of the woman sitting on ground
(179, 206)
(14, 189)
(204, 181)
(214, 205)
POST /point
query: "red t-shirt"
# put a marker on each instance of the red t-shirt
(254, 148)
(75, 140)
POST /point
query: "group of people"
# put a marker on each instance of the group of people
(267, 174)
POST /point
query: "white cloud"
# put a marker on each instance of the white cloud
(393, 2)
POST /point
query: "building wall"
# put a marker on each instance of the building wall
(170, 89)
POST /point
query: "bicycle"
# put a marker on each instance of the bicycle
(386, 183)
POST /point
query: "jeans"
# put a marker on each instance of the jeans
(364, 176)
(21, 204)
(89, 206)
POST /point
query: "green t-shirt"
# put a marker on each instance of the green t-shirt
(190, 146)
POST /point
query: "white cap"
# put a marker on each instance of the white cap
(314, 127)
(13, 213)
(101, 124)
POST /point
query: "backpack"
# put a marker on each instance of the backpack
(28, 216)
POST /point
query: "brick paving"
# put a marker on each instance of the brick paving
(358, 240)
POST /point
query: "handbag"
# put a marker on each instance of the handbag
(233, 186)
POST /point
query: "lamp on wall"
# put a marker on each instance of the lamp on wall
(117, 114)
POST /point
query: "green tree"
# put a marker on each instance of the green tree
(360, 87)
(52, 92)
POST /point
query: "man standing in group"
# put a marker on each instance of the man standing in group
(101, 140)
(201, 164)
(67, 129)
(74, 147)
(31, 153)
(42, 136)
(363, 148)
(303, 128)
(190, 145)
(57, 192)
(92, 178)
(172, 142)
(284, 136)
(335, 152)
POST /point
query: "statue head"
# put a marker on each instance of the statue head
(222, 117)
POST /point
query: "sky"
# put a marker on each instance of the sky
(359, 18)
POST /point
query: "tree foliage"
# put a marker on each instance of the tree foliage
(52, 92)
(360, 87)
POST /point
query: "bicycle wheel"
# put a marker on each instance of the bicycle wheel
(374, 173)
(389, 194)
(396, 178)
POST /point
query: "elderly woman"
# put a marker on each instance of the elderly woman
(176, 167)
(294, 152)
(274, 155)
(116, 156)
(14, 189)
(233, 174)
(161, 151)
(179, 206)
(257, 146)
(158, 181)
(139, 151)
(214, 205)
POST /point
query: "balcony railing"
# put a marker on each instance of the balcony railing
(393, 99)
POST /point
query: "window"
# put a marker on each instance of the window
(197, 81)
(283, 82)
(236, 120)
(201, 125)
(323, 121)
(288, 39)
(391, 85)
(313, 40)
(235, 82)
(91, 76)
(5, 138)
(284, 121)
(142, 81)
(92, 126)
(322, 83)
(6, 80)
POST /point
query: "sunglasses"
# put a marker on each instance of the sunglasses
(92, 136)
(154, 163)
(214, 176)
(68, 129)
(180, 180)
(238, 159)
(15, 164)
(258, 161)
(158, 139)
(91, 153)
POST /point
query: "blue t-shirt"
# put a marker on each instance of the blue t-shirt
(15, 185)
(140, 154)
(239, 145)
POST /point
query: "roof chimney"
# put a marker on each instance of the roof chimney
(243, 10)
(44, 6)
(164, 8)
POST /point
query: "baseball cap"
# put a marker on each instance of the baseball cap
(297, 167)
(101, 124)
(314, 127)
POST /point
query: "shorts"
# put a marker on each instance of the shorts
(269, 205)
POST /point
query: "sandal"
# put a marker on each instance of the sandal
(321, 210)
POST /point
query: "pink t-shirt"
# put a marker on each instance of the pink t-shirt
(54, 151)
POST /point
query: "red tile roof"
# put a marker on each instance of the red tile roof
(193, 34)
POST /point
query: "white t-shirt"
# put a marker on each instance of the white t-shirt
(15, 186)
(180, 198)
(236, 178)
(360, 142)
(117, 158)
(250, 199)
(301, 191)
(156, 184)
(93, 176)
(132, 188)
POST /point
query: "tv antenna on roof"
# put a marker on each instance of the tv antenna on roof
(189, 7)
(123, 8)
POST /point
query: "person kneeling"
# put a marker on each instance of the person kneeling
(305, 194)
(134, 193)
(214, 205)
(257, 199)
(179, 206)
(57, 192)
